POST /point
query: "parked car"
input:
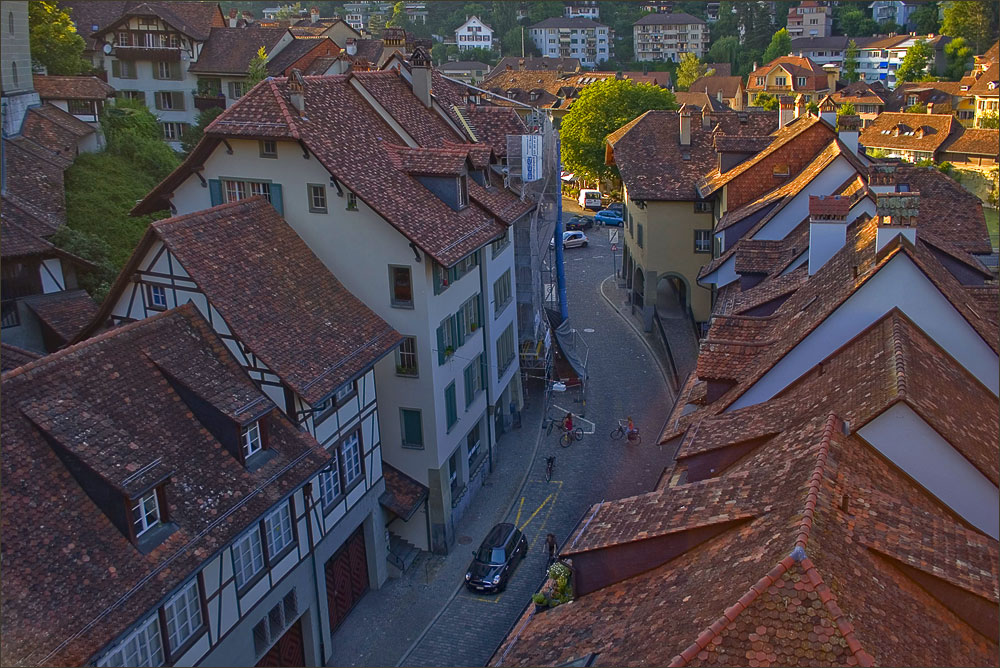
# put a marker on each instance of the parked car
(492, 564)
(590, 199)
(608, 217)
(617, 207)
(572, 239)
(580, 223)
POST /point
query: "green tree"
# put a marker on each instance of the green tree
(55, 44)
(438, 53)
(914, 65)
(781, 45)
(917, 108)
(289, 11)
(97, 281)
(690, 70)
(377, 23)
(398, 18)
(812, 108)
(480, 54)
(959, 58)
(850, 19)
(846, 109)
(133, 132)
(257, 70)
(539, 11)
(970, 20)
(990, 120)
(725, 50)
(766, 100)
(925, 19)
(851, 62)
(602, 108)
(193, 134)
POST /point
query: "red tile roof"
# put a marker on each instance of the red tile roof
(65, 313)
(910, 132)
(12, 357)
(715, 84)
(53, 87)
(991, 77)
(490, 125)
(403, 495)
(192, 18)
(796, 66)
(975, 141)
(95, 582)
(230, 50)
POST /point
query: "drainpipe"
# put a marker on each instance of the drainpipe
(560, 268)
(487, 328)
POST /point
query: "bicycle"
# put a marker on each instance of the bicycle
(570, 435)
(622, 431)
(550, 464)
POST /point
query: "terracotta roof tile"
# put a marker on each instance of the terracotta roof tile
(65, 313)
(52, 87)
(727, 85)
(12, 357)
(492, 125)
(975, 141)
(982, 85)
(403, 495)
(916, 132)
(230, 50)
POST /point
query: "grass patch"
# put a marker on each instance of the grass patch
(992, 224)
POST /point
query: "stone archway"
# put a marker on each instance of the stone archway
(638, 287)
(673, 294)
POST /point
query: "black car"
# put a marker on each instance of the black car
(580, 223)
(493, 563)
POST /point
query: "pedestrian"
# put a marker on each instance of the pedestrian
(550, 547)
(568, 422)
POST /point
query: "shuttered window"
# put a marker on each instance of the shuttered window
(451, 408)
(413, 434)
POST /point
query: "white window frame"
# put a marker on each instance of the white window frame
(148, 506)
(234, 190)
(407, 359)
(156, 291)
(251, 440)
(183, 615)
(247, 547)
(703, 245)
(330, 487)
(142, 647)
(317, 198)
(351, 455)
(278, 527)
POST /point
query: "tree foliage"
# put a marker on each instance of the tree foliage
(602, 108)
(973, 20)
(846, 109)
(853, 19)
(959, 57)
(725, 50)
(990, 120)
(766, 100)
(257, 71)
(851, 62)
(398, 18)
(781, 45)
(289, 11)
(916, 108)
(89, 246)
(925, 19)
(55, 44)
(194, 133)
(690, 70)
(914, 65)
(133, 132)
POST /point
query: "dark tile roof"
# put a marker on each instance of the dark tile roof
(809, 43)
(274, 294)
(578, 22)
(861, 92)
(651, 159)
(65, 313)
(93, 582)
(671, 19)
(192, 18)
(12, 357)
(53, 87)
(403, 495)
(539, 63)
(491, 125)
(975, 141)
(299, 47)
(70, 125)
(19, 241)
(320, 66)
(350, 140)
(230, 50)
(447, 161)
(700, 101)
(982, 85)
(715, 84)
(461, 65)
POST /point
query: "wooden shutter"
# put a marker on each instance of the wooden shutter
(469, 370)
(177, 98)
(440, 340)
(453, 323)
(276, 199)
(215, 189)
(116, 68)
(460, 326)
(483, 371)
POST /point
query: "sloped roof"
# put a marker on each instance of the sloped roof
(230, 50)
(713, 85)
(671, 19)
(52, 87)
(461, 65)
(491, 125)
(12, 357)
(96, 583)
(975, 141)
(915, 132)
(299, 47)
(192, 18)
(796, 66)
(65, 313)
(982, 85)
(700, 101)
(537, 63)
(579, 22)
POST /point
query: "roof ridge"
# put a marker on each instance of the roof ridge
(173, 220)
(899, 356)
(280, 99)
(812, 495)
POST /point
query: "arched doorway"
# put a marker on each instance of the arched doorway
(673, 294)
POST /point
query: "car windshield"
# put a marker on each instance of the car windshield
(491, 555)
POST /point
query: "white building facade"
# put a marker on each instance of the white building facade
(667, 37)
(577, 37)
(474, 34)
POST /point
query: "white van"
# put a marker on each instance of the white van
(590, 199)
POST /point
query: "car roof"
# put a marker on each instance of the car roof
(498, 535)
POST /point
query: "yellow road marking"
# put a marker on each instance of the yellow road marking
(528, 521)
(518, 518)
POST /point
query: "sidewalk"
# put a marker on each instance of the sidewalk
(366, 638)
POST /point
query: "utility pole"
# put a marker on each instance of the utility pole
(522, 41)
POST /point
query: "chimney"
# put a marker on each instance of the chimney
(297, 91)
(314, 15)
(832, 75)
(233, 14)
(882, 177)
(849, 129)
(930, 107)
(706, 118)
(420, 63)
(248, 17)
(351, 46)
(897, 216)
(827, 228)
(685, 117)
(786, 110)
(800, 105)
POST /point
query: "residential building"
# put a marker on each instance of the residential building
(469, 71)
(880, 57)
(899, 12)
(335, 28)
(667, 37)
(725, 89)
(668, 226)
(474, 34)
(359, 14)
(792, 75)
(393, 173)
(17, 93)
(792, 482)
(581, 38)
(811, 18)
(81, 96)
(868, 99)
(986, 93)
(827, 50)
(561, 65)
(915, 137)
(588, 9)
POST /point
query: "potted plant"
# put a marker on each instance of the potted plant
(541, 602)
(449, 351)
(473, 327)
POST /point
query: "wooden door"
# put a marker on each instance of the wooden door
(346, 578)
(288, 651)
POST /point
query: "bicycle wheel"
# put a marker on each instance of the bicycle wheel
(636, 439)
(566, 439)
(578, 433)
(618, 433)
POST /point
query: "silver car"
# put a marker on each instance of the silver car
(571, 239)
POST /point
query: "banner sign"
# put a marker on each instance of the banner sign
(531, 158)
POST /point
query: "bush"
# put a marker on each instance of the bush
(97, 282)
(132, 132)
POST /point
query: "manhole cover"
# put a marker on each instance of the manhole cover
(464, 540)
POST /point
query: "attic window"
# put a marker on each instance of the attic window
(463, 191)
(146, 513)
(781, 170)
(251, 440)
(157, 297)
(903, 187)
(268, 148)
(352, 202)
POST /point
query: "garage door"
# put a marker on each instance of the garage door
(346, 578)
(288, 651)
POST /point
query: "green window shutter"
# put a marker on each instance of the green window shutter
(276, 199)
(436, 272)
(483, 370)
(479, 309)
(215, 188)
(468, 383)
(453, 323)
(450, 407)
(460, 326)
(178, 100)
(440, 340)
(412, 433)
(116, 69)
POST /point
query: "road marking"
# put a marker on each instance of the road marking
(588, 330)
(518, 518)
(528, 521)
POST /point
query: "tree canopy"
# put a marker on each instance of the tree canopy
(194, 133)
(973, 20)
(781, 45)
(603, 107)
(925, 19)
(851, 62)
(289, 11)
(766, 100)
(853, 19)
(257, 71)
(914, 65)
(959, 57)
(846, 109)
(725, 50)
(690, 70)
(55, 44)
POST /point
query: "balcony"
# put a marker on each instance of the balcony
(165, 53)
(203, 102)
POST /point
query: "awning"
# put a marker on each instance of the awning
(403, 495)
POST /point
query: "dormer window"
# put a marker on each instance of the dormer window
(251, 440)
(146, 513)
(463, 191)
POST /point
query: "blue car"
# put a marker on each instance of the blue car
(608, 217)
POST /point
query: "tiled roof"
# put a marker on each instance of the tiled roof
(52, 87)
(65, 313)
(403, 495)
(12, 357)
(811, 43)
(350, 140)
(700, 100)
(93, 582)
(546, 85)
(861, 92)
(193, 18)
(500, 202)
(975, 141)
(230, 50)
(321, 65)
(299, 47)
(982, 85)
(491, 125)
(274, 294)
(715, 84)
(671, 19)
(462, 65)
(557, 64)
(796, 67)
(721, 69)
(19, 241)
(652, 161)
(447, 161)
(915, 132)
(578, 22)
(69, 127)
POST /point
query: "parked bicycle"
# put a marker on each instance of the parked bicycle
(626, 429)
(550, 465)
(570, 435)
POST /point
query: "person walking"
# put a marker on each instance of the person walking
(551, 548)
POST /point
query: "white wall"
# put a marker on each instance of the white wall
(903, 437)
(797, 210)
(900, 283)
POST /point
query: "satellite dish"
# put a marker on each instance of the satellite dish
(107, 49)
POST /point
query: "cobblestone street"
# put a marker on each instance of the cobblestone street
(426, 618)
